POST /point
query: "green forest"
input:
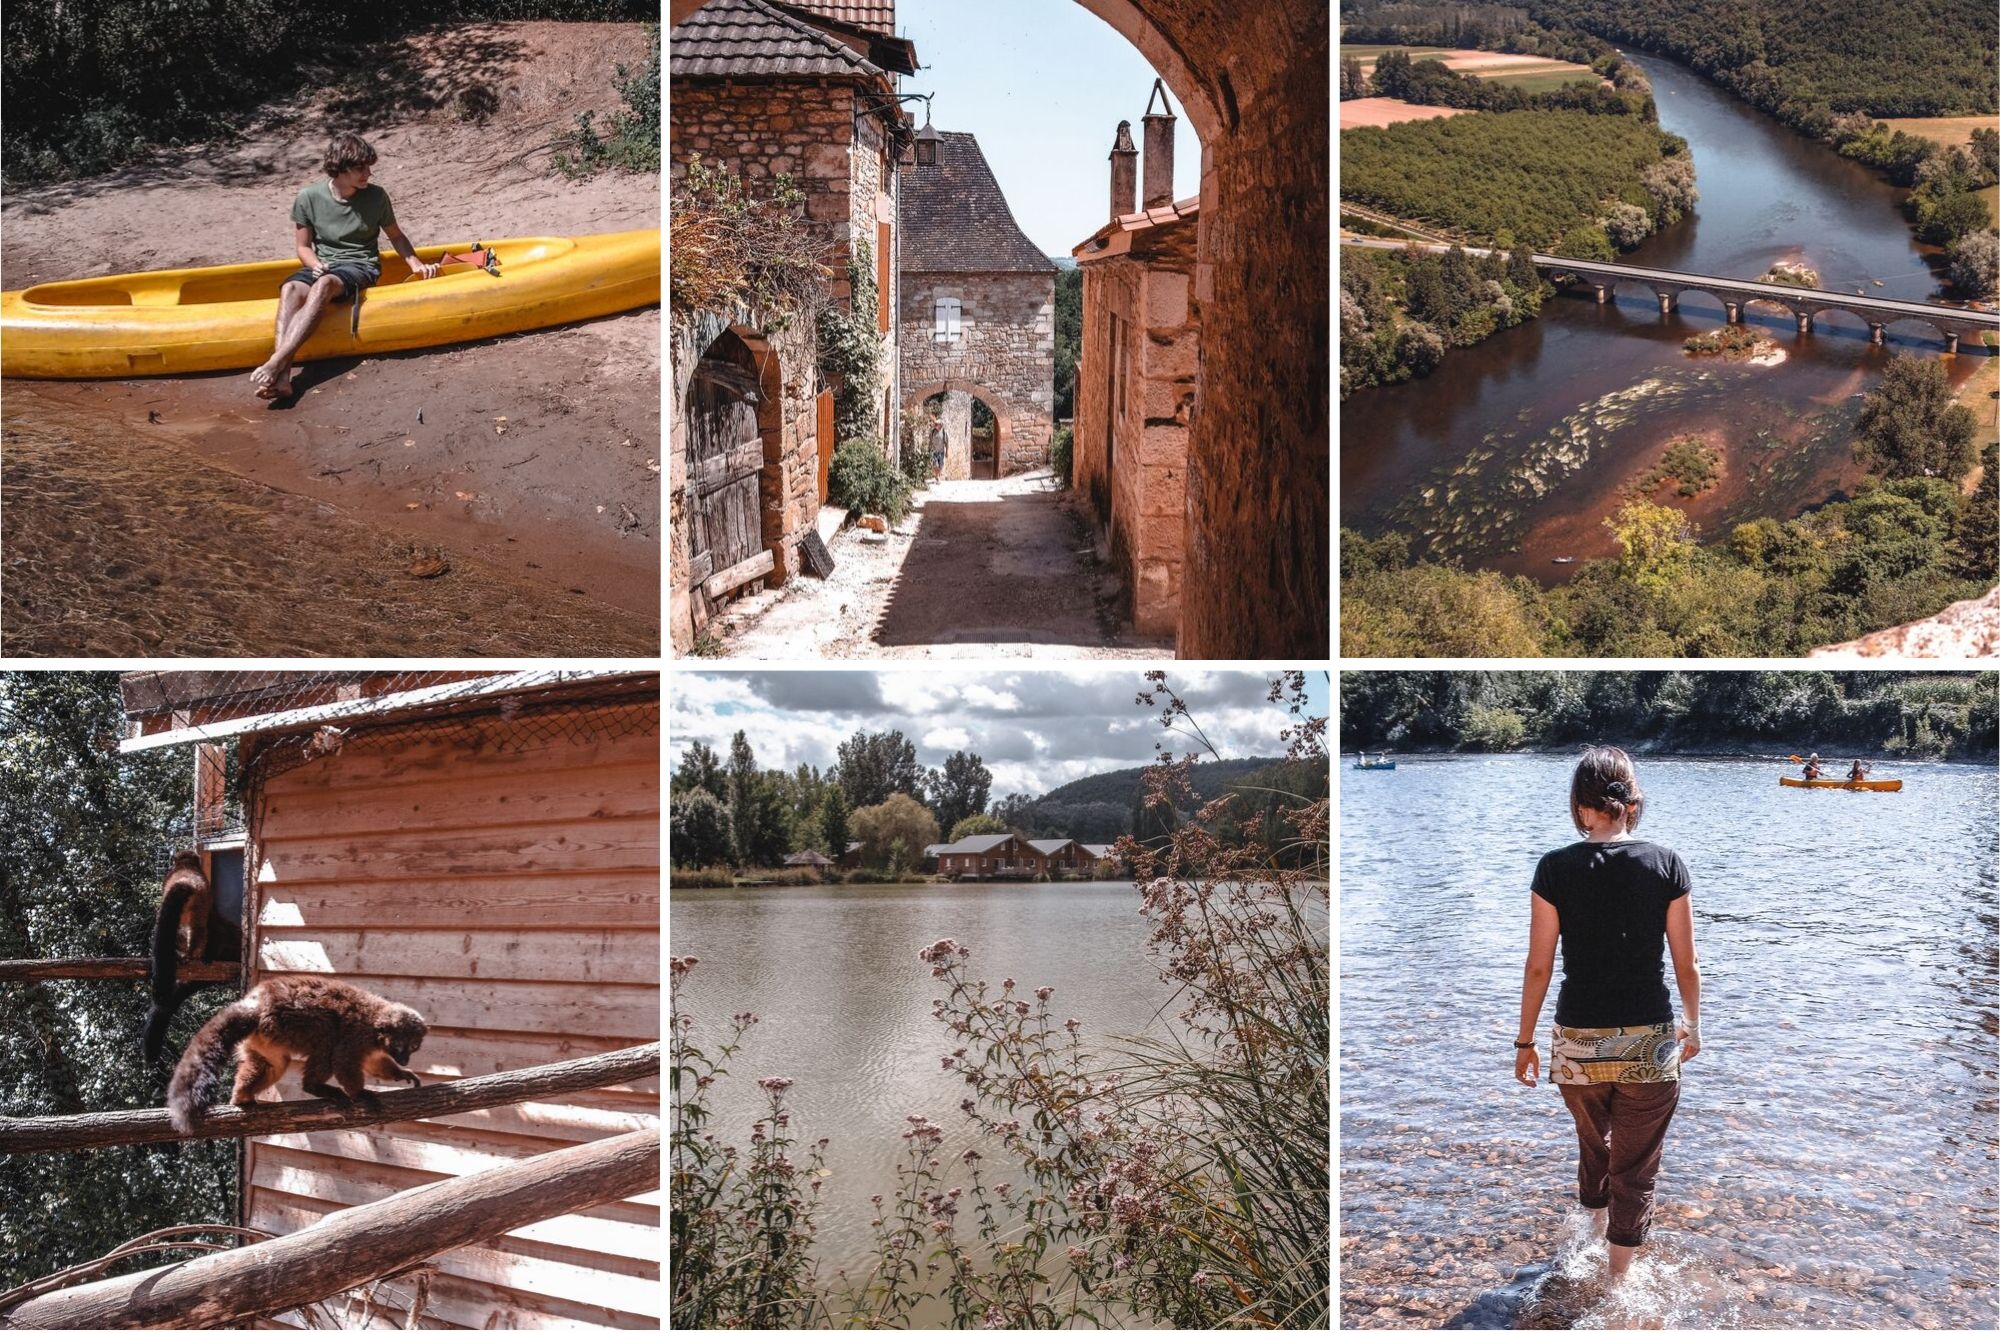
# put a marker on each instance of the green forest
(1806, 61)
(1546, 178)
(91, 85)
(1400, 310)
(1944, 716)
(728, 814)
(84, 833)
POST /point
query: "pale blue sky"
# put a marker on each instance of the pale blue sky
(1043, 85)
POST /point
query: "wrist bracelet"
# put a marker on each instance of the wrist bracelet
(1524, 1046)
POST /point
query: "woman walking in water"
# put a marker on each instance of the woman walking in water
(1613, 900)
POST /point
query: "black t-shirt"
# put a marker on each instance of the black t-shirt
(1612, 899)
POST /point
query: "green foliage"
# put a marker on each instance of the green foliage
(973, 825)
(1934, 716)
(634, 142)
(1587, 240)
(712, 877)
(1655, 540)
(1494, 728)
(872, 765)
(1911, 427)
(1731, 341)
(1539, 174)
(834, 834)
(850, 349)
(1689, 460)
(90, 85)
(1814, 57)
(1069, 338)
(1062, 453)
(1973, 265)
(959, 789)
(893, 828)
(862, 480)
(83, 828)
(1435, 610)
(699, 767)
(700, 829)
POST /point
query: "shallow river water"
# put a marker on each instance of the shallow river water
(1513, 451)
(1832, 1163)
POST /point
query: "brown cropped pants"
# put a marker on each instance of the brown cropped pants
(1620, 1128)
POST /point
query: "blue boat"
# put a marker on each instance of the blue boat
(1368, 764)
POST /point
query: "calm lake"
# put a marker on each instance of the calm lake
(1514, 451)
(845, 1006)
(1833, 1160)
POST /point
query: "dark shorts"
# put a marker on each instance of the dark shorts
(353, 277)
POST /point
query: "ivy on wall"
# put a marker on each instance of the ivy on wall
(850, 350)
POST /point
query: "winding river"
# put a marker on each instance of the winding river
(1832, 1163)
(1511, 454)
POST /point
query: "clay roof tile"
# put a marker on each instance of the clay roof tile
(738, 39)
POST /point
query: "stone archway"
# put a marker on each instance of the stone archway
(1252, 80)
(958, 457)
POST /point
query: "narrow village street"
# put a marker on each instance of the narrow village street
(977, 569)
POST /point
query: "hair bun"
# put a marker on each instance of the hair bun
(1618, 791)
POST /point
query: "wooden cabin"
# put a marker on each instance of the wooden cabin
(1057, 858)
(483, 846)
(811, 856)
(984, 856)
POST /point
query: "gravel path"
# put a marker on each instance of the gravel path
(978, 569)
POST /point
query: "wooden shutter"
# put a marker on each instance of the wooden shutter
(882, 274)
(825, 405)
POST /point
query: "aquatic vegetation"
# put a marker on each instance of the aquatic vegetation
(1690, 460)
(1732, 341)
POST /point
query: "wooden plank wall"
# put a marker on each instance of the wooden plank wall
(513, 898)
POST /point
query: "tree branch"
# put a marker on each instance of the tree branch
(107, 969)
(110, 1129)
(355, 1246)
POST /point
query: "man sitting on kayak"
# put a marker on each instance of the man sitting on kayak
(1812, 767)
(335, 223)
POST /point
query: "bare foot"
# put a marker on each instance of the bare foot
(263, 378)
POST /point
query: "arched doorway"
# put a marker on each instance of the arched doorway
(733, 463)
(977, 424)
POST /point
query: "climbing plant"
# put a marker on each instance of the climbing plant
(850, 350)
(733, 247)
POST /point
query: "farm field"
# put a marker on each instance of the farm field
(1364, 112)
(1535, 74)
(1941, 129)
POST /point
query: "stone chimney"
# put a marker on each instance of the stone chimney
(1159, 150)
(1124, 173)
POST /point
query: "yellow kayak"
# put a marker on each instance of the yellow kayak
(1866, 784)
(176, 321)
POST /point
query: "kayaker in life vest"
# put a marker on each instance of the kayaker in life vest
(1615, 904)
(1857, 772)
(1812, 767)
(335, 225)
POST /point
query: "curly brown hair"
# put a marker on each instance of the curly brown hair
(347, 151)
(1605, 780)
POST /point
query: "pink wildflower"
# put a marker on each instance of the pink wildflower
(1043, 992)
(683, 966)
(774, 1084)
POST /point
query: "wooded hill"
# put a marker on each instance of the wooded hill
(1804, 61)
(1930, 716)
(1099, 808)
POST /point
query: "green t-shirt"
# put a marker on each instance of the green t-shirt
(344, 233)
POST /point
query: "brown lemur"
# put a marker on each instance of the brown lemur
(187, 927)
(340, 1031)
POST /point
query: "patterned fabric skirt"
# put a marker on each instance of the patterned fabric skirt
(1648, 1053)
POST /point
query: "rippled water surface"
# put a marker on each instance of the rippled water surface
(1833, 1160)
(845, 1006)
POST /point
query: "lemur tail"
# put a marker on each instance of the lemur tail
(199, 1073)
(167, 997)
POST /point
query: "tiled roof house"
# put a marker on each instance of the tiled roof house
(977, 312)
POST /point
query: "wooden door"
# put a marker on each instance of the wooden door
(725, 457)
(824, 405)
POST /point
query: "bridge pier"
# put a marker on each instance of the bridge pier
(1805, 322)
(1734, 311)
(1875, 332)
(1951, 344)
(1666, 302)
(1603, 293)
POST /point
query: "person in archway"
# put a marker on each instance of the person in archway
(335, 224)
(1615, 903)
(937, 446)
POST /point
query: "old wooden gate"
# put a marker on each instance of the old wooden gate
(725, 458)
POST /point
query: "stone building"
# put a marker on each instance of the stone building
(1136, 372)
(977, 314)
(1251, 82)
(761, 90)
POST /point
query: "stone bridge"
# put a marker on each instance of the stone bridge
(1877, 312)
